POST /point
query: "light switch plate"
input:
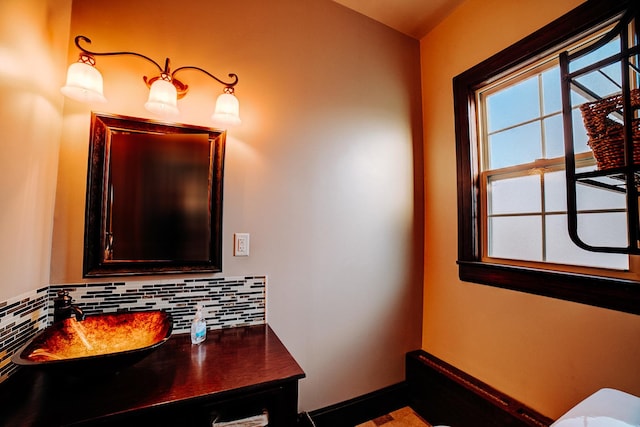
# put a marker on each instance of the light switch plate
(241, 244)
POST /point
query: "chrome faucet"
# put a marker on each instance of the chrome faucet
(64, 309)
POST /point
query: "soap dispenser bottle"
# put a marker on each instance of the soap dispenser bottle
(198, 327)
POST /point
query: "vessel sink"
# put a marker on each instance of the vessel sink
(99, 344)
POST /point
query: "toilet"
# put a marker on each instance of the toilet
(605, 408)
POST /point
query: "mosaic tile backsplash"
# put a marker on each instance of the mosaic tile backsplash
(227, 302)
(20, 318)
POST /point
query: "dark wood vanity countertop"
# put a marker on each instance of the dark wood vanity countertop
(230, 361)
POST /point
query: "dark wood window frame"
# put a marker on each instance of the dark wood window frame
(612, 293)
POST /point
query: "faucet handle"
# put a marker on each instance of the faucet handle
(64, 294)
(63, 299)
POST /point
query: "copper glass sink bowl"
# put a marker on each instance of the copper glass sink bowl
(99, 344)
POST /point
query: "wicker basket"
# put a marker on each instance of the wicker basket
(606, 136)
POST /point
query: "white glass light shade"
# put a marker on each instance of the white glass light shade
(227, 110)
(84, 83)
(163, 98)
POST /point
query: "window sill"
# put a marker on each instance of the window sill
(616, 294)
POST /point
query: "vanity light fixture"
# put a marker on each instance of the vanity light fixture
(84, 84)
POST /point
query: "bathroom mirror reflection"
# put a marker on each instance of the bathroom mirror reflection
(154, 198)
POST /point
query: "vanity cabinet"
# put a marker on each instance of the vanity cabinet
(235, 373)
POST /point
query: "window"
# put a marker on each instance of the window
(523, 178)
(512, 197)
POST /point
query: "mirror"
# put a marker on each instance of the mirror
(154, 198)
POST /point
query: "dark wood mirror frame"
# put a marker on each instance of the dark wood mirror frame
(132, 157)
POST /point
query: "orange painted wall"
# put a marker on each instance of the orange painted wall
(547, 353)
(33, 55)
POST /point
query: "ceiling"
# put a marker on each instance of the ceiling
(412, 17)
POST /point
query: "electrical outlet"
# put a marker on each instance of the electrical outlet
(241, 244)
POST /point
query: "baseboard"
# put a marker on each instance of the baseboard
(360, 409)
(443, 394)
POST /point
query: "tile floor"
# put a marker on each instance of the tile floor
(403, 417)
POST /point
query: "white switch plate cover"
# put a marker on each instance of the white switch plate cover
(241, 244)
